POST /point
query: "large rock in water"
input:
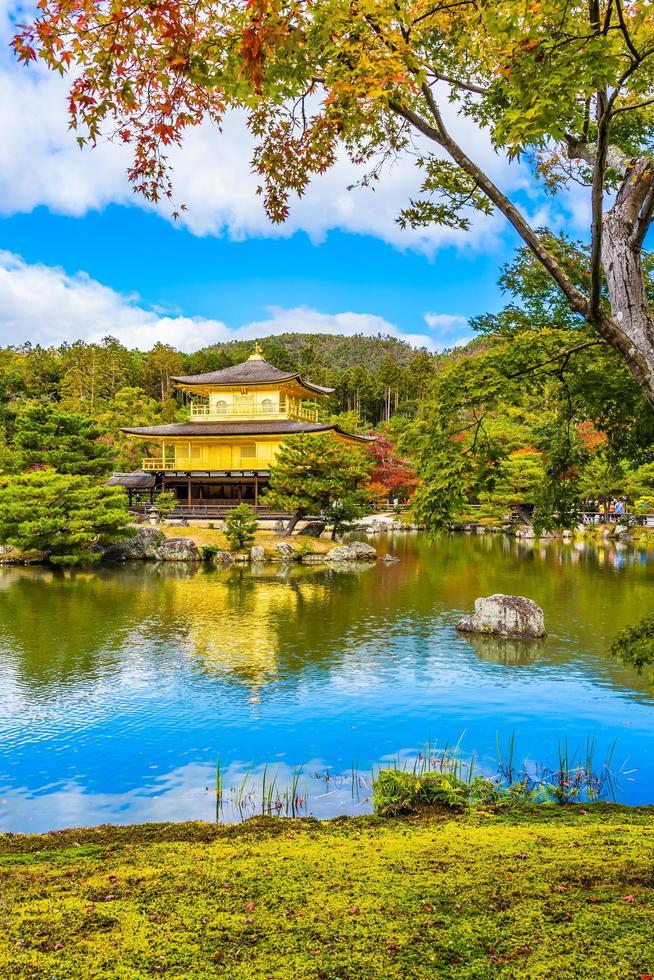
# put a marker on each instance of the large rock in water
(353, 551)
(505, 615)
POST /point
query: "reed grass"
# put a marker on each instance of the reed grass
(434, 775)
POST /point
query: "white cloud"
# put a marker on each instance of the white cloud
(41, 164)
(444, 322)
(45, 305)
(446, 327)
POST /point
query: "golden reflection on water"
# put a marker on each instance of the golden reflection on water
(236, 626)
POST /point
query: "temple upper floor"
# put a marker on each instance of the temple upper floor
(253, 389)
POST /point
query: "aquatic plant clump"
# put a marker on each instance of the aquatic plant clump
(443, 779)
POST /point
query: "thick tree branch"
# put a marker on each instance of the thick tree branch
(597, 202)
(439, 134)
(616, 159)
(644, 220)
(557, 357)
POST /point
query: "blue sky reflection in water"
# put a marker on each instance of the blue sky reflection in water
(119, 686)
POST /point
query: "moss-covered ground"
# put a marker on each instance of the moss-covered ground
(542, 892)
(213, 537)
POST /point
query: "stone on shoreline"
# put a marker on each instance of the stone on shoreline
(178, 549)
(140, 546)
(223, 558)
(286, 551)
(353, 551)
(257, 553)
(151, 544)
(505, 615)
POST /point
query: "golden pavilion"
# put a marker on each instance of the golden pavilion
(239, 417)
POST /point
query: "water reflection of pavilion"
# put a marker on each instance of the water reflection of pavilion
(251, 628)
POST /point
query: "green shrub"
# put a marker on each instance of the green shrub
(166, 503)
(240, 526)
(397, 791)
(209, 552)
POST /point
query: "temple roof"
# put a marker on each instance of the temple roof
(284, 427)
(251, 372)
(132, 481)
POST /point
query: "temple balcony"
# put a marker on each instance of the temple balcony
(182, 463)
(158, 463)
(208, 413)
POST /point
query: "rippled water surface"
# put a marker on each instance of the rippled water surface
(120, 686)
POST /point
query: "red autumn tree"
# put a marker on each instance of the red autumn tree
(397, 475)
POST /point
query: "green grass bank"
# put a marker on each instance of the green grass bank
(543, 891)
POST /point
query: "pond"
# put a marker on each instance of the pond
(120, 686)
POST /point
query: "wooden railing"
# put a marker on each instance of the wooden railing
(207, 510)
(207, 413)
(158, 463)
(184, 465)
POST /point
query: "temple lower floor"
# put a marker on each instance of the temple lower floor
(229, 489)
(196, 490)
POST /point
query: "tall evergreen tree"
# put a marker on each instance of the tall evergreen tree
(66, 518)
(317, 475)
(65, 441)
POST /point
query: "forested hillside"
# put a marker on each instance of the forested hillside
(338, 353)
(373, 378)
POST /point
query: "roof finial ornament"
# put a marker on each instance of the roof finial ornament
(257, 355)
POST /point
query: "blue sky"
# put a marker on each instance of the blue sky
(133, 251)
(81, 257)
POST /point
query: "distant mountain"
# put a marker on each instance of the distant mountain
(330, 351)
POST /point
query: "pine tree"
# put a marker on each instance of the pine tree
(66, 518)
(318, 475)
(65, 441)
(240, 526)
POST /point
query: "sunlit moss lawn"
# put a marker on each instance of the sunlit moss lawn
(204, 536)
(546, 892)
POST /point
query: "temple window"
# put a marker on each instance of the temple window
(221, 407)
(267, 406)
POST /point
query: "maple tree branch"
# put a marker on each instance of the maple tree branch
(616, 159)
(625, 31)
(635, 105)
(438, 134)
(466, 86)
(557, 357)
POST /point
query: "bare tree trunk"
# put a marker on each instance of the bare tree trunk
(630, 328)
(523, 515)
